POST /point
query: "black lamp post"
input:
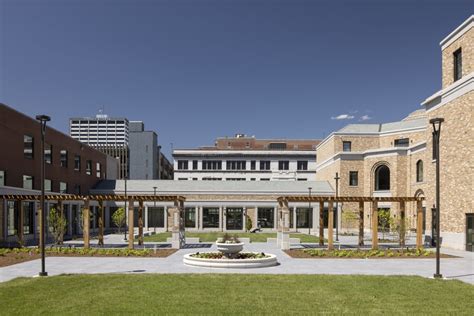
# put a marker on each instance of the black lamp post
(337, 206)
(436, 122)
(310, 212)
(154, 205)
(125, 230)
(43, 119)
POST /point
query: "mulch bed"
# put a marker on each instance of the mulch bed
(14, 258)
(300, 254)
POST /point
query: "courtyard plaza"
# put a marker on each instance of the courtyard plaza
(459, 268)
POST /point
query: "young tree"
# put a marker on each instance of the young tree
(248, 223)
(384, 221)
(57, 224)
(118, 217)
(400, 226)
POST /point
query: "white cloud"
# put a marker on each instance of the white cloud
(342, 117)
(365, 118)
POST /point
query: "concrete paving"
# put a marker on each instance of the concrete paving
(454, 268)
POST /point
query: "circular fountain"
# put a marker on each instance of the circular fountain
(230, 255)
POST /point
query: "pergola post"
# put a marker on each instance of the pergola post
(375, 224)
(361, 223)
(402, 225)
(419, 224)
(330, 225)
(21, 239)
(285, 229)
(140, 223)
(100, 218)
(61, 214)
(178, 238)
(131, 228)
(321, 223)
(86, 221)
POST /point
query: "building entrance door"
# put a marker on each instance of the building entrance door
(234, 219)
(470, 232)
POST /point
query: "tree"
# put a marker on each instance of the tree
(399, 226)
(384, 221)
(248, 223)
(118, 218)
(57, 224)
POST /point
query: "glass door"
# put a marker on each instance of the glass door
(470, 232)
(234, 218)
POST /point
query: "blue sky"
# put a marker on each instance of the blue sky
(197, 70)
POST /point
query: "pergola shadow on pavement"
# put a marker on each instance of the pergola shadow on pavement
(178, 239)
(283, 234)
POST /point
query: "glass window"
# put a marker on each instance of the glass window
(211, 165)
(210, 217)
(264, 165)
(346, 146)
(182, 165)
(382, 178)
(252, 165)
(77, 163)
(457, 55)
(419, 171)
(28, 147)
(2, 178)
(402, 142)
(47, 185)
(303, 218)
(280, 146)
(62, 187)
(302, 165)
(98, 169)
(353, 178)
(236, 165)
(265, 179)
(28, 217)
(63, 158)
(156, 217)
(266, 217)
(89, 167)
(27, 182)
(190, 217)
(283, 165)
(48, 153)
(195, 164)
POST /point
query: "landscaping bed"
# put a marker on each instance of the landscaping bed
(18, 255)
(234, 294)
(363, 254)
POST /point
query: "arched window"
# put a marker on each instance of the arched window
(419, 171)
(382, 178)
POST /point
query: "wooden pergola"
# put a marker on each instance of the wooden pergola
(178, 210)
(283, 229)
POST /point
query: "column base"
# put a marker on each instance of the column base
(285, 240)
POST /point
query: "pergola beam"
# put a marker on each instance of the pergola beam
(94, 197)
(302, 198)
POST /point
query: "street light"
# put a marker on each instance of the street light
(436, 122)
(42, 119)
(154, 205)
(125, 230)
(337, 205)
(309, 211)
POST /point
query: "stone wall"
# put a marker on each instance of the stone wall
(466, 42)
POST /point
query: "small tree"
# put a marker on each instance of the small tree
(118, 217)
(248, 223)
(400, 226)
(384, 221)
(57, 224)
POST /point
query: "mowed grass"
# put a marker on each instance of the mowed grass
(232, 294)
(212, 236)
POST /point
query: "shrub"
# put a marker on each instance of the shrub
(57, 224)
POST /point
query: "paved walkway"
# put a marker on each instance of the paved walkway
(455, 268)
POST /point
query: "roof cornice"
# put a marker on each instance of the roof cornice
(458, 32)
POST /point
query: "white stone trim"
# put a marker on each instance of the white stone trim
(458, 32)
(451, 92)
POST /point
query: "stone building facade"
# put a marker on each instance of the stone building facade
(405, 150)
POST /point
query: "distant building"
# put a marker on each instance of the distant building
(127, 141)
(70, 167)
(243, 158)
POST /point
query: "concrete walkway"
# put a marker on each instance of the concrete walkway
(456, 268)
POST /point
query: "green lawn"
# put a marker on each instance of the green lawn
(234, 294)
(212, 236)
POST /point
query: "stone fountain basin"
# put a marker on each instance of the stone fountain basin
(229, 248)
(271, 260)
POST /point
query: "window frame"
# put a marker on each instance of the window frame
(344, 143)
(28, 155)
(353, 180)
(283, 165)
(457, 64)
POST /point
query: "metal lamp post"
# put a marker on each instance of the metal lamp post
(310, 211)
(125, 230)
(337, 206)
(436, 122)
(43, 119)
